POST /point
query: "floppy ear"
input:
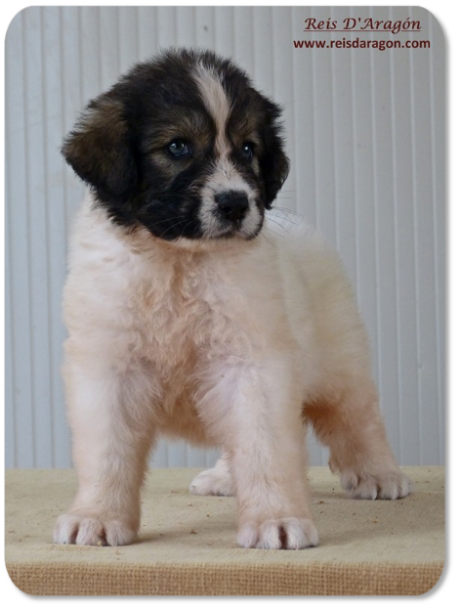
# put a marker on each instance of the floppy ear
(99, 149)
(274, 164)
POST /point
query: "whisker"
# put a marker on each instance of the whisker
(172, 218)
(280, 235)
(283, 218)
(161, 236)
(171, 227)
(279, 224)
(288, 211)
(267, 238)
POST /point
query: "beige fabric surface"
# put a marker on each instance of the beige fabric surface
(187, 546)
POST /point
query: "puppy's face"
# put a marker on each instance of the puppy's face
(183, 145)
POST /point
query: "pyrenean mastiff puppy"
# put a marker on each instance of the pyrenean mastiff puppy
(188, 316)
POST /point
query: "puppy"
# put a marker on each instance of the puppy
(188, 315)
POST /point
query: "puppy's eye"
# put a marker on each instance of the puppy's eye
(178, 148)
(248, 151)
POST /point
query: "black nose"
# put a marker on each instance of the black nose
(233, 205)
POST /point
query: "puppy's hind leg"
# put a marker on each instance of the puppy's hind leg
(352, 427)
(216, 481)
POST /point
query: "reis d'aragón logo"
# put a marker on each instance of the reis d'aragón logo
(362, 24)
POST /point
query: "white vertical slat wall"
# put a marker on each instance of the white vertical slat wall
(365, 133)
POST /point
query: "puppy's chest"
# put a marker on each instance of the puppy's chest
(183, 316)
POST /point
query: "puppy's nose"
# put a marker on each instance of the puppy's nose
(233, 205)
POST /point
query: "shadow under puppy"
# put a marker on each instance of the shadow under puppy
(188, 317)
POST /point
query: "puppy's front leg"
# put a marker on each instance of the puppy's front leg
(255, 410)
(111, 440)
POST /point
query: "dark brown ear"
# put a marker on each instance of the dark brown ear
(99, 148)
(274, 164)
(276, 170)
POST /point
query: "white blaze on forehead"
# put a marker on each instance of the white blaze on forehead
(216, 102)
(225, 176)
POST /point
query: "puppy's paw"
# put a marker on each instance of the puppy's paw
(385, 485)
(216, 481)
(284, 533)
(83, 530)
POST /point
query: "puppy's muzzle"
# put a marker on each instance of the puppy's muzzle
(232, 205)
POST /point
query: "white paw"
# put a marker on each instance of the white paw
(214, 481)
(283, 533)
(83, 530)
(386, 485)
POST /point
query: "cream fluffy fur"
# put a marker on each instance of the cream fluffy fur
(232, 343)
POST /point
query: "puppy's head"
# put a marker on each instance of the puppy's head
(183, 145)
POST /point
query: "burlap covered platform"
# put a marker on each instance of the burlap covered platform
(187, 544)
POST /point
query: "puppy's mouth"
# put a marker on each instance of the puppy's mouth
(235, 230)
(228, 215)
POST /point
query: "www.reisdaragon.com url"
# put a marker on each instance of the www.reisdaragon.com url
(358, 43)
